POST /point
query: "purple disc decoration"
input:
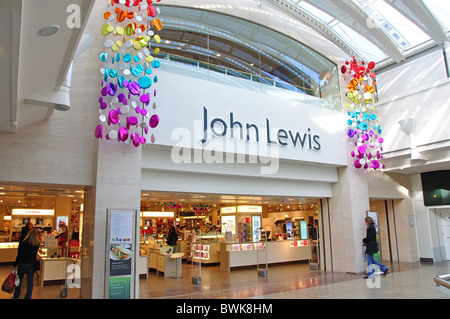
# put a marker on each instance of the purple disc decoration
(145, 98)
(99, 132)
(144, 112)
(134, 88)
(154, 121)
(103, 106)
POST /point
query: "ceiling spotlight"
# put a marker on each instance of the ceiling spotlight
(48, 30)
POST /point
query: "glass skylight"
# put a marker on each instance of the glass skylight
(404, 32)
(396, 25)
(441, 9)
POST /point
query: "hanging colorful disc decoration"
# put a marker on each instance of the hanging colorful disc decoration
(364, 129)
(128, 95)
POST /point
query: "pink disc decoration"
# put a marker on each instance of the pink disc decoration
(99, 132)
(154, 121)
(123, 134)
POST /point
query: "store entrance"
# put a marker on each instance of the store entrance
(228, 235)
(56, 213)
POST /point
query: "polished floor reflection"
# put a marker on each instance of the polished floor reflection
(297, 281)
(406, 280)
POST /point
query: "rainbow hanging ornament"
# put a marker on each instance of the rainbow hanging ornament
(128, 91)
(364, 129)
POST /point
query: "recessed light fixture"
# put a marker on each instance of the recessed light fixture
(2, 193)
(48, 30)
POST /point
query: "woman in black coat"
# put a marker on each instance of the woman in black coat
(371, 248)
(25, 260)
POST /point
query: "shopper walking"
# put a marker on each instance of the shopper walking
(25, 230)
(371, 248)
(172, 238)
(25, 260)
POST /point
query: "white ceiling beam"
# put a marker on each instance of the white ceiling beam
(353, 16)
(422, 17)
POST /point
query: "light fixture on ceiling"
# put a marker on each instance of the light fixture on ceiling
(59, 99)
(48, 30)
(408, 126)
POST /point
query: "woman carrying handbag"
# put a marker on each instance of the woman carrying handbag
(26, 262)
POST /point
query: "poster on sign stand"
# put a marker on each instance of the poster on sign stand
(121, 254)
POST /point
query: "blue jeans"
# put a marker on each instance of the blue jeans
(370, 269)
(22, 270)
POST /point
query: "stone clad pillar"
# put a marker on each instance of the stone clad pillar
(117, 186)
(348, 206)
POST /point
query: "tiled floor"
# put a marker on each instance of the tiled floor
(47, 292)
(406, 280)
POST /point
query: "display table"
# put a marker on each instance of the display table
(8, 252)
(235, 255)
(168, 265)
(54, 269)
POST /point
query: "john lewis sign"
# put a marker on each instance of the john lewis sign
(198, 115)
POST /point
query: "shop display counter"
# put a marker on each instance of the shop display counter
(235, 255)
(143, 265)
(207, 253)
(54, 269)
(182, 248)
(8, 252)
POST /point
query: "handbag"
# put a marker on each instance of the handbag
(37, 265)
(9, 284)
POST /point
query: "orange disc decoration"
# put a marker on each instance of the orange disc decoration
(121, 16)
(157, 24)
(107, 15)
(130, 15)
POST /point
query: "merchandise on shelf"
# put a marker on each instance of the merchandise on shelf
(298, 243)
(245, 247)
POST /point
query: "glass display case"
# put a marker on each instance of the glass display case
(201, 251)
